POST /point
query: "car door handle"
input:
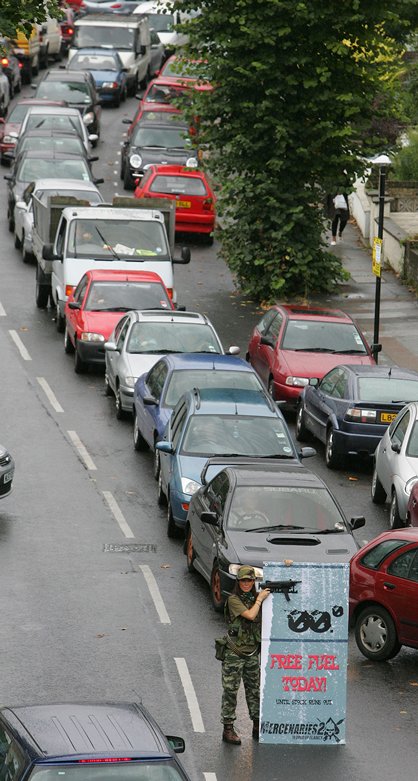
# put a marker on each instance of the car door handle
(389, 586)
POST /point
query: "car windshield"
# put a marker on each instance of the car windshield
(112, 36)
(73, 168)
(317, 336)
(173, 338)
(387, 389)
(295, 508)
(161, 137)
(241, 435)
(160, 93)
(113, 239)
(179, 185)
(412, 448)
(184, 380)
(77, 92)
(161, 23)
(141, 770)
(94, 62)
(114, 296)
(83, 195)
(69, 144)
(63, 122)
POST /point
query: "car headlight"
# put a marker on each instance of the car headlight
(410, 484)
(297, 381)
(135, 161)
(87, 336)
(189, 486)
(130, 381)
(9, 140)
(88, 118)
(110, 84)
(233, 570)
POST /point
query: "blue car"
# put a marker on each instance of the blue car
(107, 70)
(157, 391)
(225, 423)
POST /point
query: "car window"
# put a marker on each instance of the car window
(328, 382)
(296, 507)
(178, 185)
(405, 565)
(119, 327)
(217, 493)
(387, 389)
(80, 291)
(399, 430)
(122, 335)
(339, 390)
(77, 92)
(61, 237)
(412, 447)
(156, 379)
(374, 557)
(266, 320)
(177, 425)
(274, 327)
(11, 759)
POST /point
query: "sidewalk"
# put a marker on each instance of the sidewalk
(398, 332)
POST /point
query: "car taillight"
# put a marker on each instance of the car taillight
(356, 415)
(20, 64)
(185, 506)
(170, 292)
(69, 289)
(116, 5)
(207, 205)
(4, 61)
(70, 31)
(105, 759)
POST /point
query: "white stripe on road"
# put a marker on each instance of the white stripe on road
(82, 451)
(2, 310)
(118, 514)
(20, 346)
(155, 594)
(210, 776)
(49, 393)
(190, 693)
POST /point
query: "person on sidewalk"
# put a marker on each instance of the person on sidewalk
(340, 217)
(241, 662)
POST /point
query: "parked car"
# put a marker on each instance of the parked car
(7, 470)
(157, 53)
(149, 143)
(396, 464)
(92, 741)
(412, 507)
(97, 304)
(384, 594)
(164, 91)
(78, 89)
(140, 338)
(50, 41)
(181, 69)
(351, 407)
(257, 511)
(10, 127)
(4, 93)
(52, 140)
(10, 66)
(190, 189)
(66, 22)
(293, 343)
(62, 119)
(107, 70)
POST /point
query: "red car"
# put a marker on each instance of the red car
(293, 343)
(412, 508)
(10, 127)
(384, 594)
(181, 70)
(98, 303)
(189, 187)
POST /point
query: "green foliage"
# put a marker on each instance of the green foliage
(405, 162)
(294, 84)
(20, 13)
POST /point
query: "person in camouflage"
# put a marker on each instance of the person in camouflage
(241, 662)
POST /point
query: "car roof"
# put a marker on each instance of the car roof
(299, 312)
(261, 473)
(366, 370)
(163, 125)
(167, 81)
(181, 361)
(76, 729)
(66, 184)
(126, 276)
(232, 401)
(49, 154)
(170, 316)
(64, 75)
(96, 50)
(40, 102)
(39, 132)
(179, 170)
(60, 111)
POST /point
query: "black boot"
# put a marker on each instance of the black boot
(230, 736)
(256, 728)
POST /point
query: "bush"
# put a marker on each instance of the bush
(405, 164)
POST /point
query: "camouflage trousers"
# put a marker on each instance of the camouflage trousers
(234, 670)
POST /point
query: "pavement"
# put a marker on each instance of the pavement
(398, 332)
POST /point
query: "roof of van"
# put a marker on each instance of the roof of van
(116, 20)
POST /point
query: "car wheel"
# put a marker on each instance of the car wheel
(117, 100)
(331, 459)
(216, 590)
(376, 635)
(18, 242)
(127, 179)
(133, 89)
(42, 291)
(395, 520)
(270, 388)
(302, 433)
(190, 554)
(11, 221)
(377, 490)
(108, 389)
(119, 411)
(122, 170)
(68, 345)
(59, 320)
(161, 497)
(80, 367)
(156, 463)
(124, 94)
(172, 530)
(26, 256)
(18, 86)
(139, 441)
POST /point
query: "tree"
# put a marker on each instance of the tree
(21, 13)
(294, 84)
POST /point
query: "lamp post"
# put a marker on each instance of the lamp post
(383, 161)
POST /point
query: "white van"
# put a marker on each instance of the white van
(162, 18)
(128, 35)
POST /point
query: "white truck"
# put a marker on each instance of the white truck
(71, 238)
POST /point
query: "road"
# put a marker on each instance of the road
(96, 601)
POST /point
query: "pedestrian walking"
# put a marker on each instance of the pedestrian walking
(340, 217)
(242, 653)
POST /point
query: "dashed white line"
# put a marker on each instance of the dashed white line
(155, 594)
(190, 693)
(210, 776)
(20, 346)
(82, 450)
(2, 310)
(118, 514)
(49, 393)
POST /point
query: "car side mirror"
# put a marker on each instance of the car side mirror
(307, 452)
(165, 447)
(396, 447)
(8, 177)
(74, 305)
(234, 350)
(210, 518)
(49, 254)
(357, 522)
(314, 381)
(92, 159)
(110, 347)
(184, 256)
(150, 401)
(267, 341)
(21, 205)
(98, 181)
(33, 86)
(127, 121)
(93, 137)
(139, 95)
(177, 744)
(181, 308)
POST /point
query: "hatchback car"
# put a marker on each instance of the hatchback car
(139, 340)
(78, 89)
(62, 119)
(53, 141)
(351, 407)
(384, 594)
(97, 304)
(293, 343)
(190, 188)
(10, 127)
(86, 742)
(164, 91)
(215, 422)
(259, 511)
(7, 470)
(396, 464)
(158, 143)
(107, 70)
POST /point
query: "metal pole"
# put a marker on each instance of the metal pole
(382, 186)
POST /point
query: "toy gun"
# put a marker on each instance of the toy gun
(285, 587)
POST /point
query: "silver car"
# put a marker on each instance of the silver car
(142, 337)
(7, 470)
(396, 464)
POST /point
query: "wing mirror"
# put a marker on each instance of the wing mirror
(234, 350)
(98, 181)
(150, 401)
(184, 256)
(307, 452)
(127, 121)
(74, 305)
(177, 744)
(396, 447)
(314, 381)
(165, 447)
(265, 340)
(210, 518)
(357, 522)
(110, 347)
(49, 254)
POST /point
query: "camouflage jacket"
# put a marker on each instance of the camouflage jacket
(244, 634)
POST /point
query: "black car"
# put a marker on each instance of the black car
(78, 89)
(156, 143)
(10, 66)
(86, 742)
(262, 511)
(350, 408)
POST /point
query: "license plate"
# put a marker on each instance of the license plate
(8, 477)
(387, 417)
(184, 204)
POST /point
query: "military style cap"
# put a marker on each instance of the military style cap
(246, 572)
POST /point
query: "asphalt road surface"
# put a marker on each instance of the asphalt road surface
(95, 600)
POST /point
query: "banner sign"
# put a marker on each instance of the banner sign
(377, 257)
(304, 654)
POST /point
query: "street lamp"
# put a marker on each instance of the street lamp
(383, 161)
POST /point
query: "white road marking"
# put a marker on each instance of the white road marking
(82, 450)
(118, 514)
(115, 172)
(115, 184)
(2, 310)
(210, 776)
(155, 594)
(20, 346)
(120, 152)
(49, 393)
(190, 693)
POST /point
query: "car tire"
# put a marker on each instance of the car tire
(133, 89)
(18, 242)
(395, 520)
(161, 497)
(59, 320)
(35, 68)
(11, 221)
(302, 433)
(128, 182)
(26, 256)
(124, 94)
(172, 530)
(377, 491)
(80, 367)
(188, 549)
(215, 589)
(68, 345)
(270, 388)
(42, 291)
(156, 462)
(332, 460)
(375, 634)
(122, 170)
(119, 411)
(139, 442)
(107, 388)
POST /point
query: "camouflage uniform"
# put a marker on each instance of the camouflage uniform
(245, 636)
